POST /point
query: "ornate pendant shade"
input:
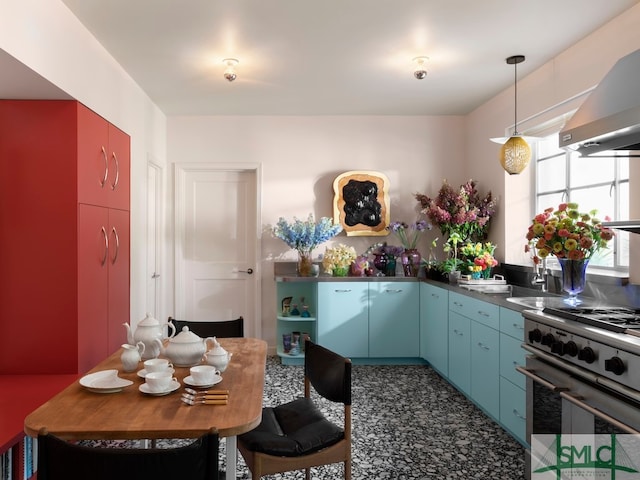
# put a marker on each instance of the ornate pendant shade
(516, 152)
(515, 155)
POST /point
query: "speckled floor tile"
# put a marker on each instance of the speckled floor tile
(408, 423)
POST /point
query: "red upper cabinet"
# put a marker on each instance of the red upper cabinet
(103, 162)
(58, 294)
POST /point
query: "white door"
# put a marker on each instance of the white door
(216, 244)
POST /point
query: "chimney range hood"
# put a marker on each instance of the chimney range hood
(609, 119)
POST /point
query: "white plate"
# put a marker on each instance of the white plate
(143, 373)
(104, 381)
(173, 386)
(190, 381)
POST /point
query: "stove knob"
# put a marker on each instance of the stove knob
(587, 354)
(571, 349)
(548, 339)
(557, 347)
(614, 365)
(535, 335)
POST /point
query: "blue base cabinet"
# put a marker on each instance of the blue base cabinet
(370, 320)
(394, 319)
(343, 313)
(460, 352)
(434, 327)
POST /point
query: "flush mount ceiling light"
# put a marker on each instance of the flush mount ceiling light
(515, 152)
(230, 71)
(420, 69)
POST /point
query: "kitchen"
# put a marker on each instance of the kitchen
(316, 147)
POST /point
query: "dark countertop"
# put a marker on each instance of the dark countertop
(529, 298)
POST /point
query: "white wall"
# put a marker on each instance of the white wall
(46, 37)
(540, 98)
(301, 156)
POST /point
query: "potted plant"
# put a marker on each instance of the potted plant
(452, 265)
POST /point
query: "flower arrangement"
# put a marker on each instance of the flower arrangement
(338, 259)
(463, 210)
(479, 257)
(409, 234)
(567, 233)
(304, 236)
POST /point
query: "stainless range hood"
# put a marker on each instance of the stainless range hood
(609, 119)
(632, 226)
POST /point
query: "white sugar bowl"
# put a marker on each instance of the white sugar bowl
(218, 356)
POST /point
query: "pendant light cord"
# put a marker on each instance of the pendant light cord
(515, 98)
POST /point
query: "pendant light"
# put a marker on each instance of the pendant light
(516, 152)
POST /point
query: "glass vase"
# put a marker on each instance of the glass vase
(380, 262)
(411, 262)
(305, 264)
(390, 270)
(574, 278)
(340, 271)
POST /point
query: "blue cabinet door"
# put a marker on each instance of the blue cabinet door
(434, 327)
(485, 368)
(343, 317)
(459, 351)
(394, 324)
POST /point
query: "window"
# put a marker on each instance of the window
(598, 182)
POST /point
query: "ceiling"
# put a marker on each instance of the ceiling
(334, 57)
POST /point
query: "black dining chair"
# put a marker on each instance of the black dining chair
(62, 460)
(296, 435)
(223, 328)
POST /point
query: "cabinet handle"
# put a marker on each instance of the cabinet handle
(457, 304)
(343, 291)
(517, 414)
(393, 291)
(518, 326)
(103, 182)
(117, 179)
(458, 332)
(114, 232)
(483, 346)
(435, 295)
(484, 314)
(106, 246)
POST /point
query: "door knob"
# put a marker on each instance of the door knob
(249, 271)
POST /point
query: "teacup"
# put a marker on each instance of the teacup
(157, 365)
(204, 374)
(159, 381)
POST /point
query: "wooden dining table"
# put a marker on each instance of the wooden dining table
(79, 414)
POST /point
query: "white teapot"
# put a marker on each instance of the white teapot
(148, 330)
(184, 349)
(218, 356)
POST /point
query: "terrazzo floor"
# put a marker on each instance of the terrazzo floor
(407, 423)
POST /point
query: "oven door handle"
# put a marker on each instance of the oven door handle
(577, 401)
(548, 385)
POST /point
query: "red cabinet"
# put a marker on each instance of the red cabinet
(64, 237)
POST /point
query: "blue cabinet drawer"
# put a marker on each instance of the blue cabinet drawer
(512, 323)
(511, 355)
(483, 312)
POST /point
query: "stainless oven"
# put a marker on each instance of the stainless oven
(582, 378)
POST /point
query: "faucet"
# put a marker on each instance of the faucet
(541, 272)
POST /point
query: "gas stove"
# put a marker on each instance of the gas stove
(602, 342)
(615, 319)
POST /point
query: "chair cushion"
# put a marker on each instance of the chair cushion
(291, 430)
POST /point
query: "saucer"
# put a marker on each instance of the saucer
(190, 381)
(104, 381)
(173, 386)
(143, 373)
